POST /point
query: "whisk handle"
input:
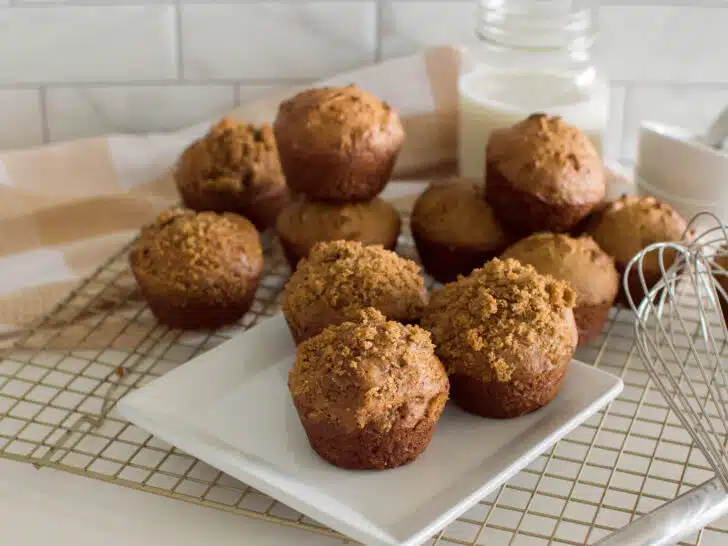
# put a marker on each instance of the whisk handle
(674, 520)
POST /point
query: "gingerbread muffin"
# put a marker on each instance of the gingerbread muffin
(579, 261)
(339, 278)
(303, 223)
(369, 392)
(198, 270)
(337, 143)
(543, 175)
(506, 335)
(720, 273)
(455, 230)
(630, 224)
(234, 168)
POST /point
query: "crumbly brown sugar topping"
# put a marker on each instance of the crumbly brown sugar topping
(369, 371)
(184, 247)
(489, 324)
(232, 156)
(347, 273)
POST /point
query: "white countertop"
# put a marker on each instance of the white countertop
(41, 507)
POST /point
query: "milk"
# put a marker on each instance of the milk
(491, 100)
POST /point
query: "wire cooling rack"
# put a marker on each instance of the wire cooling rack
(60, 382)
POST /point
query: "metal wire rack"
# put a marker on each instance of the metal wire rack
(59, 384)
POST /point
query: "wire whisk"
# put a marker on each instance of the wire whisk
(681, 331)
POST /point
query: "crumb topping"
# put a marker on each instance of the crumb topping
(550, 158)
(184, 249)
(348, 274)
(369, 371)
(577, 260)
(502, 321)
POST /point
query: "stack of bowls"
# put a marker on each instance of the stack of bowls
(674, 166)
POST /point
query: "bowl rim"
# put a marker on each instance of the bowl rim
(640, 181)
(681, 135)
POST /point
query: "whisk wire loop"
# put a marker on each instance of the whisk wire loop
(686, 366)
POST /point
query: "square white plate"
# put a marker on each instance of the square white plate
(230, 407)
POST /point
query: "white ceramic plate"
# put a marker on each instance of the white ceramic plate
(230, 407)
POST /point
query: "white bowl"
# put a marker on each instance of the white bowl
(688, 208)
(671, 160)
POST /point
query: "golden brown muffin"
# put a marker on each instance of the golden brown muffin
(339, 278)
(303, 223)
(506, 335)
(369, 392)
(455, 230)
(198, 270)
(338, 144)
(720, 273)
(630, 224)
(579, 261)
(543, 174)
(234, 168)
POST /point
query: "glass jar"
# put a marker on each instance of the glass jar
(529, 56)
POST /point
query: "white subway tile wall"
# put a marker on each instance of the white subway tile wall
(75, 68)
(76, 112)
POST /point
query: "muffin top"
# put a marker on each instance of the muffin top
(345, 275)
(455, 212)
(337, 118)
(503, 322)
(305, 222)
(369, 372)
(232, 157)
(631, 223)
(184, 250)
(549, 158)
(578, 260)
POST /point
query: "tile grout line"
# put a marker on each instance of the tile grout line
(701, 4)
(623, 156)
(378, 30)
(178, 39)
(43, 105)
(209, 82)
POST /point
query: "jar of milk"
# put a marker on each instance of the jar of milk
(529, 56)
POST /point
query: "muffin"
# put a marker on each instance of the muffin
(630, 224)
(198, 270)
(337, 144)
(579, 261)
(720, 274)
(455, 230)
(234, 168)
(339, 278)
(369, 393)
(543, 175)
(506, 335)
(303, 223)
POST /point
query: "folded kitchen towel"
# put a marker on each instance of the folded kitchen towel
(65, 208)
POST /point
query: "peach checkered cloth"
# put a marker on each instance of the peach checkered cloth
(64, 208)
